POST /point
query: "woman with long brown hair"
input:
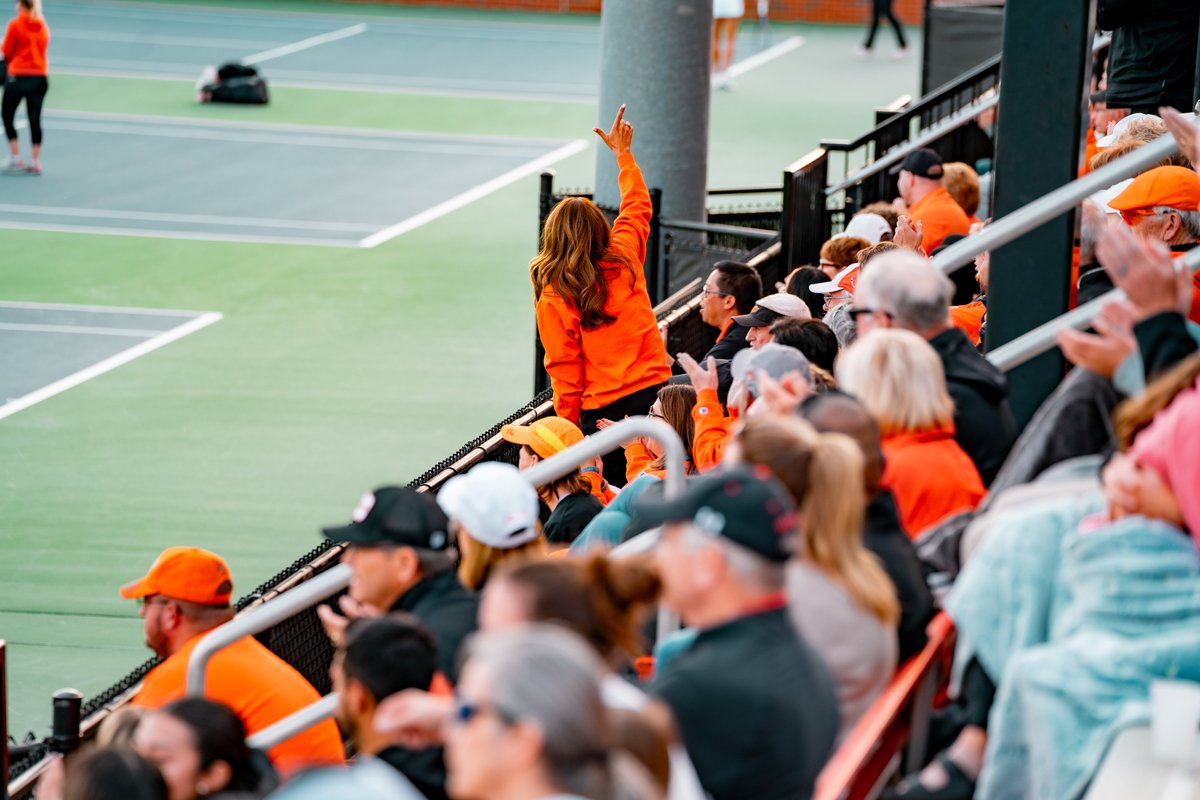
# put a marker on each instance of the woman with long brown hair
(603, 350)
(839, 595)
(673, 406)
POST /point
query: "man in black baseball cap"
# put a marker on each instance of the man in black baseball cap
(928, 202)
(398, 547)
(755, 705)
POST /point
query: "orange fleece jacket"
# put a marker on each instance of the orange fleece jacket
(940, 216)
(591, 368)
(713, 430)
(24, 46)
(930, 476)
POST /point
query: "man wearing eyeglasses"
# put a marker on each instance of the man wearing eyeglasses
(183, 597)
(1163, 204)
(731, 289)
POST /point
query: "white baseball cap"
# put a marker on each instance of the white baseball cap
(495, 505)
(844, 281)
(871, 227)
(1122, 124)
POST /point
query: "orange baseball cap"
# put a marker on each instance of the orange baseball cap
(185, 573)
(545, 436)
(1174, 187)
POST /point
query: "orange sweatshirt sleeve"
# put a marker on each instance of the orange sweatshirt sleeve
(9, 47)
(632, 227)
(560, 330)
(637, 458)
(712, 430)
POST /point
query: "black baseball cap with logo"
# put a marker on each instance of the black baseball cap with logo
(746, 505)
(395, 515)
(923, 163)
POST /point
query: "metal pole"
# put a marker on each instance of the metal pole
(1042, 338)
(64, 737)
(656, 279)
(1045, 208)
(610, 439)
(314, 591)
(294, 723)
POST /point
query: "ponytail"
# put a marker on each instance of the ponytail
(833, 521)
(620, 590)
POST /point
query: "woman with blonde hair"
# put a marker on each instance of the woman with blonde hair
(898, 376)
(24, 52)
(604, 354)
(839, 595)
(493, 512)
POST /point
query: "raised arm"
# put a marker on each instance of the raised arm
(632, 227)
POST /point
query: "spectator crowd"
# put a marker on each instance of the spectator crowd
(847, 445)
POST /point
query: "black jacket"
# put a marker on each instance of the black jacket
(1163, 341)
(1152, 61)
(425, 769)
(883, 536)
(755, 706)
(448, 610)
(729, 345)
(983, 424)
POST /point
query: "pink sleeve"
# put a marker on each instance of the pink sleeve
(1170, 445)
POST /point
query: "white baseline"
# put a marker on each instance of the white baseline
(304, 44)
(107, 365)
(770, 54)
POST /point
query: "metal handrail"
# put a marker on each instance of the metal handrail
(264, 616)
(1047, 207)
(896, 155)
(1042, 338)
(294, 723)
(761, 234)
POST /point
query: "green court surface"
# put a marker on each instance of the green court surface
(331, 369)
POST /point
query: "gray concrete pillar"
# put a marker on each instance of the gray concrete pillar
(655, 58)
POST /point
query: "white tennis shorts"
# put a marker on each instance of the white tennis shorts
(728, 9)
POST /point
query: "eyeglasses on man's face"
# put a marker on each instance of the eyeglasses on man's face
(857, 311)
(713, 292)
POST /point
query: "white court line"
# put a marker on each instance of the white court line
(370, 133)
(197, 219)
(187, 76)
(770, 54)
(155, 39)
(158, 233)
(471, 195)
(91, 331)
(33, 305)
(304, 44)
(107, 365)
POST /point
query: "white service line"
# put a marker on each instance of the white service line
(194, 219)
(471, 195)
(112, 362)
(88, 329)
(30, 305)
(157, 233)
(770, 54)
(304, 44)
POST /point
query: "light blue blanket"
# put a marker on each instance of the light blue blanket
(1117, 607)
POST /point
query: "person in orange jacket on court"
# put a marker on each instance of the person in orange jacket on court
(604, 354)
(24, 52)
(928, 202)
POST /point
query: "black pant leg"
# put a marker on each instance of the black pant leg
(631, 405)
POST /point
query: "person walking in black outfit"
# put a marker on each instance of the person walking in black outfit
(879, 10)
(24, 51)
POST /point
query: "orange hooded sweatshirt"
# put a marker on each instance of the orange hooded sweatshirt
(24, 47)
(713, 430)
(930, 476)
(591, 368)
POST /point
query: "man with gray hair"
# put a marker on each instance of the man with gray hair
(1163, 204)
(905, 290)
(755, 704)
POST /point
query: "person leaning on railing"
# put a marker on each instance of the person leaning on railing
(604, 354)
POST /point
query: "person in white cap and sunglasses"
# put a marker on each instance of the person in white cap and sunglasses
(493, 513)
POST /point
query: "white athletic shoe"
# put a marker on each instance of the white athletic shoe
(862, 53)
(15, 165)
(900, 54)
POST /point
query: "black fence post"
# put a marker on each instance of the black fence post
(546, 203)
(656, 277)
(3, 724)
(64, 737)
(805, 225)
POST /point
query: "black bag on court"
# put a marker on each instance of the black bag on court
(237, 83)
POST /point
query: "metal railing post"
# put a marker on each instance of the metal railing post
(656, 278)
(64, 736)
(3, 721)
(314, 591)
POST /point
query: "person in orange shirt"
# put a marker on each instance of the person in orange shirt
(674, 407)
(604, 353)
(898, 377)
(24, 51)
(183, 598)
(1163, 204)
(928, 202)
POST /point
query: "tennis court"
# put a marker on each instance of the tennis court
(260, 182)
(336, 365)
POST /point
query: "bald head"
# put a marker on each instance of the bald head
(909, 290)
(835, 412)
